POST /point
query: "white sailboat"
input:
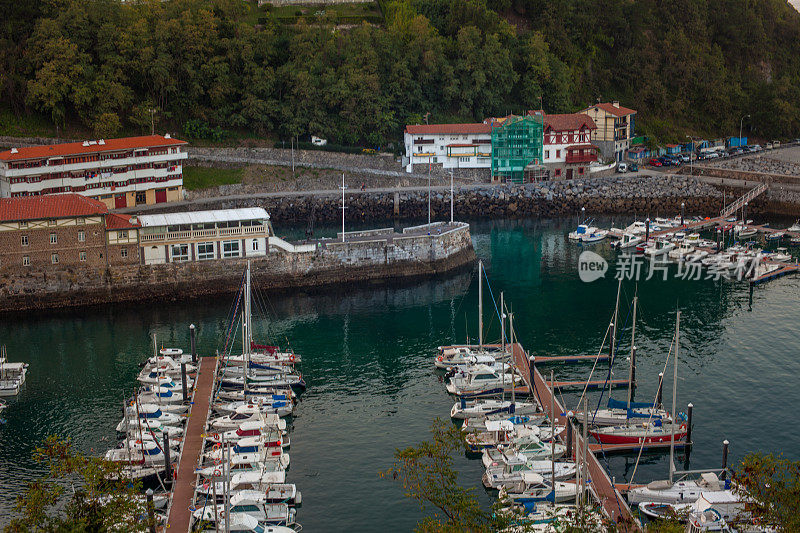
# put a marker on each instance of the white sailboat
(12, 375)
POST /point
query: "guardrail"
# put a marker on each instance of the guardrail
(203, 234)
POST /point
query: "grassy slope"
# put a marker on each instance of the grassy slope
(203, 177)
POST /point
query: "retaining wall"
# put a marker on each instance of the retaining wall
(331, 263)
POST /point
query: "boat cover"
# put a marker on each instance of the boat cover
(617, 404)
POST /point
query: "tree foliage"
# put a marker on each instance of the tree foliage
(101, 499)
(689, 66)
(771, 485)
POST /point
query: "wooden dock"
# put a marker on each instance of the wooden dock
(589, 385)
(185, 477)
(774, 274)
(546, 359)
(612, 502)
(607, 449)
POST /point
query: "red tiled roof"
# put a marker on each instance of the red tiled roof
(673, 145)
(569, 121)
(618, 111)
(448, 129)
(115, 221)
(77, 148)
(49, 206)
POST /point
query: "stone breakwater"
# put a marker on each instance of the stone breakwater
(372, 258)
(627, 195)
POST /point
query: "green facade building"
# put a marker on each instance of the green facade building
(517, 147)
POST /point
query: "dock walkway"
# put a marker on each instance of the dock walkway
(612, 502)
(183, 483)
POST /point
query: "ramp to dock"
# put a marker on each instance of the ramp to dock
(183, 482)
(612, 502)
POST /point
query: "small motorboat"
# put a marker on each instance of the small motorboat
(744, 231)
(243, 504)
(499, 475)
(533, 449)
(619, 413)
(794, 227)
(480, 408)
(595, 236)
(481, 378)
(680, 251)
(775, 236)
(533, 487)
(582, 230)
(637, 228)
(659, 249)
(12, 375)
(781, 255)
(628, 240)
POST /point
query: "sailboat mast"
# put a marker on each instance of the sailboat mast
(633, 350)
(246, 328)
(503, 346)
(511, 360)
(480, 304)
(674, 397)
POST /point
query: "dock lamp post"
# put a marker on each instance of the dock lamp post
(583, 214)
(744, 215)
(740, 128)
(683, 205)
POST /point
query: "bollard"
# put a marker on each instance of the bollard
(167, 463)
(151, 519)
(660, 394)
(191, 339)
(569, 431)
(647, 230)
(689, 423)
(725, 444)
(183, 383)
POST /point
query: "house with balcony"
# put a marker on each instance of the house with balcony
(568, 150)
(447, 146)
(118, 172)
(616, 127)
(203, 235)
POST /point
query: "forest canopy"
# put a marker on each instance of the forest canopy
(206, 67)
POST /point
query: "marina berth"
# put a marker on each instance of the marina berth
(682, 491)
(501, 475)
(534, 488)
(480, 408)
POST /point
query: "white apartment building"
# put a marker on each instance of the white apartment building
(447, 146)
(204, 235)
(118, 172)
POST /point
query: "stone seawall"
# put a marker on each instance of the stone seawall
(380, 259)
(627, 195)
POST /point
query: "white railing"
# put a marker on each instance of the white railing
(203, 234)
(735, 206)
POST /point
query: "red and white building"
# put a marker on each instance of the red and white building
(447, 146)
(568, 150)
(118, 172)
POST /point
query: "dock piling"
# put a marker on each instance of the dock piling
(184, 388)
(192, 341)
(151, 519)
(689, 423)
(660, 394)
(569, 429)
(725, 444)
(167, 462)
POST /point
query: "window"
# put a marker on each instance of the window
(547, 154)
(255, 244)
(26, 260)
(141, 197)
(122, 234)
(24, 240)
(82, 256)
(123, 252)
(179, 252)
(205, 250)
(54, 259)
(23, 224)
(80, 221)
(230, 248)
(580, 170)
(558, 172)
(53, 238)
(81, 236)
(51, 222)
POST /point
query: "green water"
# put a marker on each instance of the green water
(367, 360)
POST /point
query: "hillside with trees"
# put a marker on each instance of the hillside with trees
(214, 68)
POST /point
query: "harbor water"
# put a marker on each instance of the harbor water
(367, 359)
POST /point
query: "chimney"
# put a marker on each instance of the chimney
(14, 151)
(101, 141)
(167, 136)
(85, 143)
(616, 103)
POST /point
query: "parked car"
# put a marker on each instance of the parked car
(622, 167)
(756, 148)
(711, 155)
(684, 158)
(654, 162)
(768, 146)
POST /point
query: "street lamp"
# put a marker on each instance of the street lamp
(583, 214)
(740, 128)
